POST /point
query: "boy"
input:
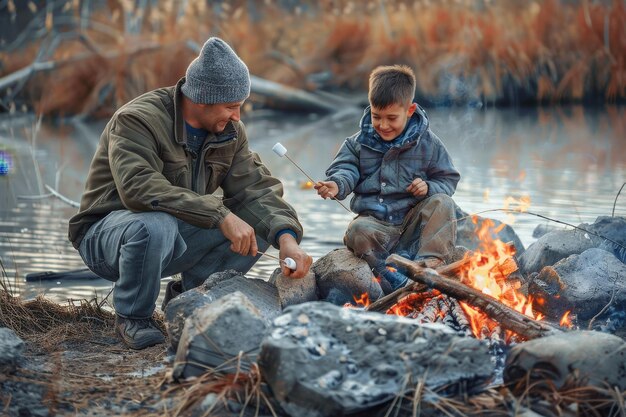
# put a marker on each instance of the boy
(402, 178)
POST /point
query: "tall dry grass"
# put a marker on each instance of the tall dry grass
(506, 52)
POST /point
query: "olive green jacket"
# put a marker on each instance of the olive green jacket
(142, 164)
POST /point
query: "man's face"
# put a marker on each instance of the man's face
(215, 117)
(390, 121)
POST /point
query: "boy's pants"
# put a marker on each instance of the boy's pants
(135, 250)
(428, 230)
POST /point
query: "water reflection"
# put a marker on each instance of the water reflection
(570, 162)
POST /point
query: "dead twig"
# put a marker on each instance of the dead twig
(615, 202)
(62, 197)
(601, 312)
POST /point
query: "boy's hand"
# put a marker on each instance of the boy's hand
(326, 189)
(418, 187)
(289, 248)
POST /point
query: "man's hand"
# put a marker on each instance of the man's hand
(240, 234)
(326, 189)
(289, 249)
(418, 187)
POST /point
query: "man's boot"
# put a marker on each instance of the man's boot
(138, 333)
(173, 289)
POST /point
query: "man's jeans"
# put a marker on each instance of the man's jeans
(428, 230)
(136, 250)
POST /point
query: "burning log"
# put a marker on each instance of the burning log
(506, 316)
(385, 303)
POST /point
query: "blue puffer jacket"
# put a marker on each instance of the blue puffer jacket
(379, 172)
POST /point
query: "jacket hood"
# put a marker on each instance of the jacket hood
(416, 125)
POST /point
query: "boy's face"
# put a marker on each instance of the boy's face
(389, 122)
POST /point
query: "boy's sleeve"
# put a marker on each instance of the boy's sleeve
(344, 170)
(442, 175)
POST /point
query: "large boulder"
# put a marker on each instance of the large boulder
(324, 360)
(578, 357)
(583, 284)
(294, 290)
(552, 247)
(342, 277)
(608, 233)
(261, 293)
(226, 335)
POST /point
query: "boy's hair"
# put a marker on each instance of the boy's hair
(393, 84)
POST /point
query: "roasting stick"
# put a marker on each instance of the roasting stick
(289, 262)
(281, 151)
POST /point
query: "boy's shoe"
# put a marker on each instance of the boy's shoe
(173, 289)
(429, 262)
(138, 333)
(395, 280)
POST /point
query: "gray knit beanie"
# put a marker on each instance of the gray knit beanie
(217, 75)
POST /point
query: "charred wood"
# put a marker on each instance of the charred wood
(508, 318)
(385, 303)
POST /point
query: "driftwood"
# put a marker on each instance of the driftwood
(506, 316)
(383, 304)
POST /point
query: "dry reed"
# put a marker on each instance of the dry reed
(493, 52)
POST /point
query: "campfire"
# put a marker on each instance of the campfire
(481, 295)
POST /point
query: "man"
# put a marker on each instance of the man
(148, 209)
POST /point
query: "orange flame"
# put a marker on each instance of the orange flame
(487, 271)
(363, 300)
(565, 320)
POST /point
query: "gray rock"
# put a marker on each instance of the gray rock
(543, 229)
(582, 357)
(261, 293)
(294, 291)
(324, 360)
(613, 228)
(581, 283)
(11, 347)
(181, 307)
(466, 232)
(608, 233)
(216, 335)
(341, 277)
(552, 247)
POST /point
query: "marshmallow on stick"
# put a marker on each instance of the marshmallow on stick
(289, 262)
(281, 151)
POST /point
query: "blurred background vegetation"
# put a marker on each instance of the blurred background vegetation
(84, 57)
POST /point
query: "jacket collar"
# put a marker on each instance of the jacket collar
(179, 122)
(228, 134)
(416, 126)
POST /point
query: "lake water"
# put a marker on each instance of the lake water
(570, 162)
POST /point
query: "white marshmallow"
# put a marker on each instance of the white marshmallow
(290, 263)
(280, 150)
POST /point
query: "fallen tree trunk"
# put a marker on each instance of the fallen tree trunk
(508, 318)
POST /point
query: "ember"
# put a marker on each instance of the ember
(565, 320)
(363, 300)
